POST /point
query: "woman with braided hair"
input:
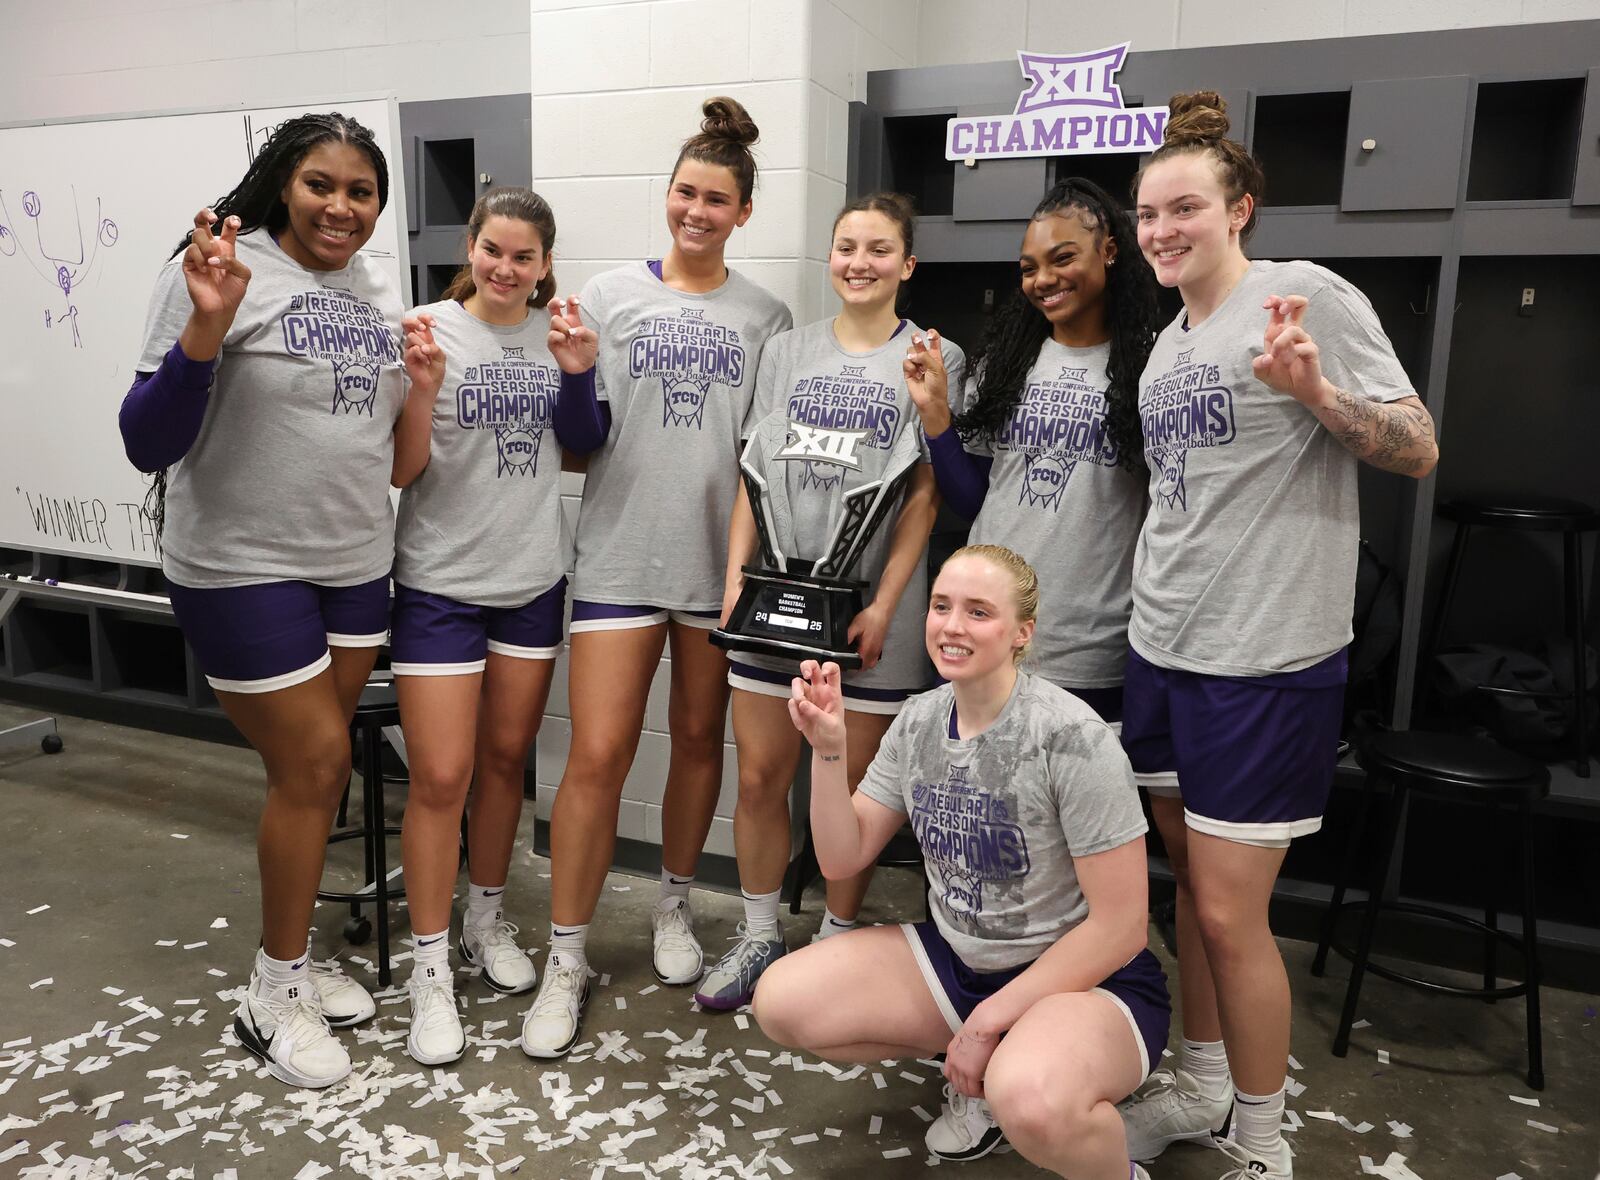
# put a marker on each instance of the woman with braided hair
(269, 383)
(1045, 454)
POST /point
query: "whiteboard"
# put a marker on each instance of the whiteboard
(89, 212)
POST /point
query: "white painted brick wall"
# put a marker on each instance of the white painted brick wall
(65, 58)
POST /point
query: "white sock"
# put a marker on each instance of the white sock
(484, 904)
(430, 956)
(674, 886)
(1258, 1124)
(569, 940)
(833, 924)
(274, 973)
(1207, 1063)
(761, 912)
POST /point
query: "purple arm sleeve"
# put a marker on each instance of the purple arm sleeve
(581, 420)
(162, 412)
(963, 477)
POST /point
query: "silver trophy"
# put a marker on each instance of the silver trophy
(799, 605)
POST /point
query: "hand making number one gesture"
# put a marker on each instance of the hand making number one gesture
(1289, 360)
(572, 342)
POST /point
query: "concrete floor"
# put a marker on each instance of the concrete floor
(117, 1058)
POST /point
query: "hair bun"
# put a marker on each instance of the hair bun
(1196, 118)
(726, 118)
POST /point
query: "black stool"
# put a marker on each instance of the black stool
(376, 710)
(1462, 770)
(1571, 519)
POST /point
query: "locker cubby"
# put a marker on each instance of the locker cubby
(1300, 141)
(15, 561)
(84, 571)
(1525, 140)
(914, 151)
(449, 181)
(52, 643)
(1113, 172)
(143, 656)
(439, 277)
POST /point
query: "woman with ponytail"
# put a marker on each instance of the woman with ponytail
(1257, 404)
(480, 591)
(269, 384)
(680, 339)
(1046, 455)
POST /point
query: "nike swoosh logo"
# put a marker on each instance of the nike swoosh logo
(431, 941)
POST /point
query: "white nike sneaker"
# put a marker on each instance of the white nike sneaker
(494, 948)
(344, 1001)
(1248, 1166)
(550, 1028)
(675, 952)
(1169, 1108)
(284, 1027)
(436, 1036)
(965, 1128)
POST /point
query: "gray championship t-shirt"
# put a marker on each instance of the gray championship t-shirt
(679, 371)
(1001, 816)
(1057, 497)
(808, 376)
(482, 523)
(289, 477)
(1246, 563)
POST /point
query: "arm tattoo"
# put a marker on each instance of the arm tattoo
(829, 757)
(1392, 436)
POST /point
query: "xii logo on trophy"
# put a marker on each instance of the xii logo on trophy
(820, 445)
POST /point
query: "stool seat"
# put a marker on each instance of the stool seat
(1536, 513)
(1441, 762)
(379, 704)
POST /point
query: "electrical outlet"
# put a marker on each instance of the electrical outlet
(1525, 308)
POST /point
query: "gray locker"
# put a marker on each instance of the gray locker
(1403, 147)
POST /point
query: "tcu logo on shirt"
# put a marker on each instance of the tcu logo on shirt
(355, 383)
(816, 444)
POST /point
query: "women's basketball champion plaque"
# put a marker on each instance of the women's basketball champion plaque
(799, 604)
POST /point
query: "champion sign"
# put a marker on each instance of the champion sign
(1070, 106)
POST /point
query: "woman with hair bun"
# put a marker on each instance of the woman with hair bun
(680, 339)
(480, 591)
(1257, 403)
(848, 372)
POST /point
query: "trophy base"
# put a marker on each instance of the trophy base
(794, 616)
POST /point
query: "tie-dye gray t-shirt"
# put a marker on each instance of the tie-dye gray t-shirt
(1246, 564)
(1000, 816)
(679, 372)
(289, 476)
(482, 523)
(1057, 496)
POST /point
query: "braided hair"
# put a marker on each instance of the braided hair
(1018, 330)
(257, 201)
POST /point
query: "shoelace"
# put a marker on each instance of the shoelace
(672, 925)
(1244, 1171)
(561, 985)
(303, 1019)
(497, 937)
(743, 953)
(432, 1004)
(960, 1105)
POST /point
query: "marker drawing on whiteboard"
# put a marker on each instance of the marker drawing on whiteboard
(68, 258)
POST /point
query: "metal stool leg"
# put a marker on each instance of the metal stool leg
(801, 872)
(1572, 559)
(1369, 923)
(1458, 552)
(372, 785)
(1530, 947)
(1491, 903)
(1352, 849)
